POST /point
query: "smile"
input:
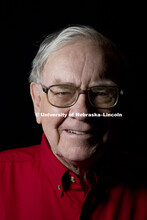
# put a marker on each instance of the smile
(75, 132)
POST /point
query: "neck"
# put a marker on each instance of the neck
(76, 167)
(79, 170)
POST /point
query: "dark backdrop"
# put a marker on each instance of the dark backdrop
(23, 26)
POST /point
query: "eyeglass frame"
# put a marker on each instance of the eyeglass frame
(80, 91)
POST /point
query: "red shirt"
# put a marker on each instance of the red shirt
(34, 185)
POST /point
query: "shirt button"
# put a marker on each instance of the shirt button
(72, 179)
(59, 187)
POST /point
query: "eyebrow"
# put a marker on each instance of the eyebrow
(100, 83)
(104, 83)
(63, 82)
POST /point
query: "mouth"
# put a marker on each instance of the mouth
(77, 132)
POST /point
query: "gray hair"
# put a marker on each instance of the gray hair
(56, 41)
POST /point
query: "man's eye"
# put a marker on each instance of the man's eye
(101, 94)
(62, 93)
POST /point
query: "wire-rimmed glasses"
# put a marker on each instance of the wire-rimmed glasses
(66, 95)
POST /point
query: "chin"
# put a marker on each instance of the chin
(81, 158)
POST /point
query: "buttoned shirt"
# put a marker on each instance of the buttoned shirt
(35, 185)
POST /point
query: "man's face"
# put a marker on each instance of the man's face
(74, 139)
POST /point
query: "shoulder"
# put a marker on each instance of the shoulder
(30, 153)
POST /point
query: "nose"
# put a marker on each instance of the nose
(80, 107)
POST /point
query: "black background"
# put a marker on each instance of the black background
(23, 25)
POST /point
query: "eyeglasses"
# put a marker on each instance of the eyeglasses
(65, 95)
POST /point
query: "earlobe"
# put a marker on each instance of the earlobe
(36, 98)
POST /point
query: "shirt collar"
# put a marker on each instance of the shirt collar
(53, 167)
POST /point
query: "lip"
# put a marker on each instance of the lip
(78, 132)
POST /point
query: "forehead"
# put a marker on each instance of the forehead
(78, 62)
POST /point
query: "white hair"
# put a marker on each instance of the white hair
(58, 40)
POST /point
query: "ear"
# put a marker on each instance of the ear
(36, 98)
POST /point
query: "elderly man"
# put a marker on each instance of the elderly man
(74, 87)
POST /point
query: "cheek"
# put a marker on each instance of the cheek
(106, 121)
(51, 123)
(50, 127)
(48, 118)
